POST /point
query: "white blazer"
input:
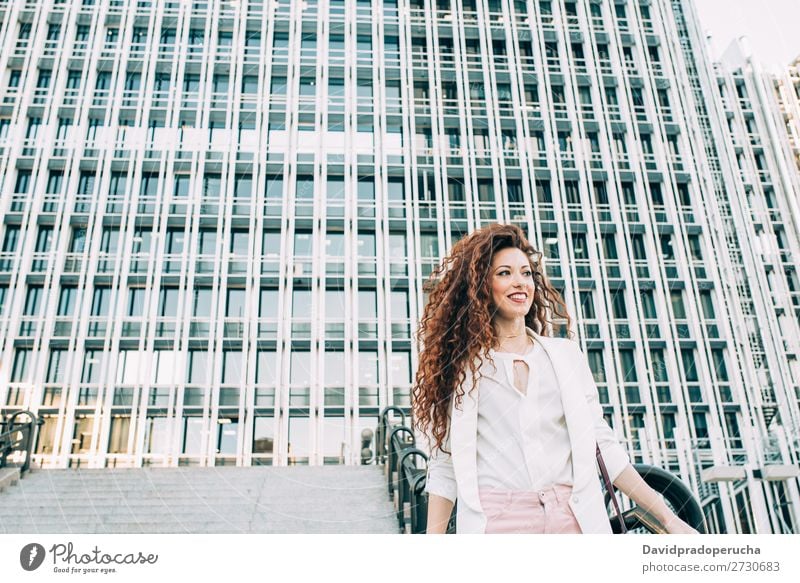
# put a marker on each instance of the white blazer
(455, 475)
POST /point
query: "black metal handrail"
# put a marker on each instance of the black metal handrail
(381, 432)
(676, 494)
(18, 437)
(406, 484)
(400, 439)
(410, 490)
(395, 447)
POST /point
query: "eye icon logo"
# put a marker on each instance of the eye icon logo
(31, 556)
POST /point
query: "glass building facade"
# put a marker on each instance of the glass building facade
(218, 216)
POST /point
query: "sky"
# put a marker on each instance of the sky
(772, 27)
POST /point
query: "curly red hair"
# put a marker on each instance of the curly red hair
(456, 325)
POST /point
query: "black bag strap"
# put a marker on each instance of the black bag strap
(610, 490)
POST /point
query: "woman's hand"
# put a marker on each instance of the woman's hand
(675, 525)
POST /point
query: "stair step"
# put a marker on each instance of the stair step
(327, 499)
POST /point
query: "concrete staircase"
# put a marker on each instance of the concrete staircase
(326, 499)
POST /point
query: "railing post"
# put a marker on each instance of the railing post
(381, 441)
(7, 443)
(394, 450)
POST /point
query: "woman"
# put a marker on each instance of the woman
(512, 414)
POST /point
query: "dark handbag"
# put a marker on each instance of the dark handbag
(610, 490)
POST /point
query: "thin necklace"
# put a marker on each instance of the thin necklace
(515, 335)
(526, 344)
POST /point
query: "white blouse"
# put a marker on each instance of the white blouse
(522, 441)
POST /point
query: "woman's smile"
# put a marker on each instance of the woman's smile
(519, 298)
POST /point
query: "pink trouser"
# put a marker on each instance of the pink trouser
(543, 511)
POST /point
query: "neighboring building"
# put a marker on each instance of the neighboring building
(759, 181)
(787, 88)
(218, 216)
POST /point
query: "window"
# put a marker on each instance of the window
(54, 31)
(168, 302)
(299, 437)
(174, 242)
(250, 84)
(301, 303)
(596, 364)
(240, 242)
(10, 239)
(161, 81)
(132, 81)
(81, 32)
(363, 42)
(33, 300)
(77, 243)
(263, 435)
(201, 302)
(300, 368)
(278, 86)
(44, 239)
(82, 434)
(707, 303)
(587, 305)
(221, 83)
(66, 302)
(628, 367)
(667, 250)
(235, 304)
(364, 88)
(266, 368)
(367, 304)
(683, 194)
(207, 242)
(103, 81)
(334, 304)
(167, 36)
(648, 303)
(689, 368)
(336, 42)
(91, 366)
(268, 304)
(139, 35)
(618, 306)
(43, 82)
(429, 246)
(14, 78)
(23, 182)
(136, 297)
(308, 86)
(609, 247)
(198, 370)
(156, 434)
(118, 434)
(20, 372)
(225, 38)
(719, 364)
(678, 308)
(109, 240)
(181, 186)
(56, 366)
(101, 301)
(302, 244)
(232, 367)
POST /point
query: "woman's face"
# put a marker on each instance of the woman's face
(512, 283)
